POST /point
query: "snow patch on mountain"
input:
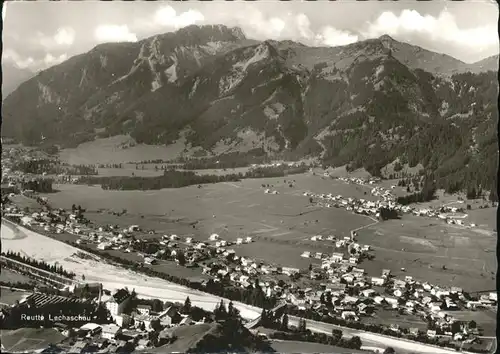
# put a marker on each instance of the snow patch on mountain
(83, 78)
(239, 69)
(152, 62)
(47, 95)
(444, 108)
(213, 48)
(462, 115)
(274, 110)
(260, 53)
(155, 52)
(155, 84)
(171, 71)
(197, 56)
(276, 78)
(104, 60)
(379, 71)
(229, 82)
(282, 134)
(195, 86)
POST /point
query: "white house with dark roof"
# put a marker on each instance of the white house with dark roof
(117, 302)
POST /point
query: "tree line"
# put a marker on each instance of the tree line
(427, 193)
(40, 185)
(53, 167)
(179, 179)
(225, 161)
(110, 165)
(38, 264)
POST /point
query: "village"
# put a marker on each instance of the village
(336, 286)
(118, 322)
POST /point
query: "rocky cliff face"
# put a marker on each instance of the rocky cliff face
(366, 104)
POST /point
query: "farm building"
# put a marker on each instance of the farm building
(110, 331)
(104, 246)
(169, 317)
(214, 237)
(133, 228)
(337, 257)
(289, 270)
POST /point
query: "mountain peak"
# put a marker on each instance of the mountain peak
(386, 38)
(214, 30)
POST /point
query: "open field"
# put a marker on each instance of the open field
(487, 320)
(484, 218)
(128, 170)
(372, 340)
(24, 202)
(341, 172)
(276, 222)
(10, 276)
(150, 171)
(187, 338)
(282, 225)
(287, 346)
(29, 339)
(390, 316)
(282, 346)
(109, 150)
(433, 251)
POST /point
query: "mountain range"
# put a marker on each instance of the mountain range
(368, 104)
(12, 77)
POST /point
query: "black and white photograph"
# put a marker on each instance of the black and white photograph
(249, 177)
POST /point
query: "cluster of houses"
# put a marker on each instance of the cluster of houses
(142, 316)
(129, 328)
(352, 293)
(360, 181)
(358, 206)
(354, 251)
(355, 295)
(276, 164)
(451, 215)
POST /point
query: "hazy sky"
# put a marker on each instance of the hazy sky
(38, 34)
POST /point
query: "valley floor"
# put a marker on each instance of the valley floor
(282, 225)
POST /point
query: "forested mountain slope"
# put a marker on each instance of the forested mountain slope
(366, 104)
